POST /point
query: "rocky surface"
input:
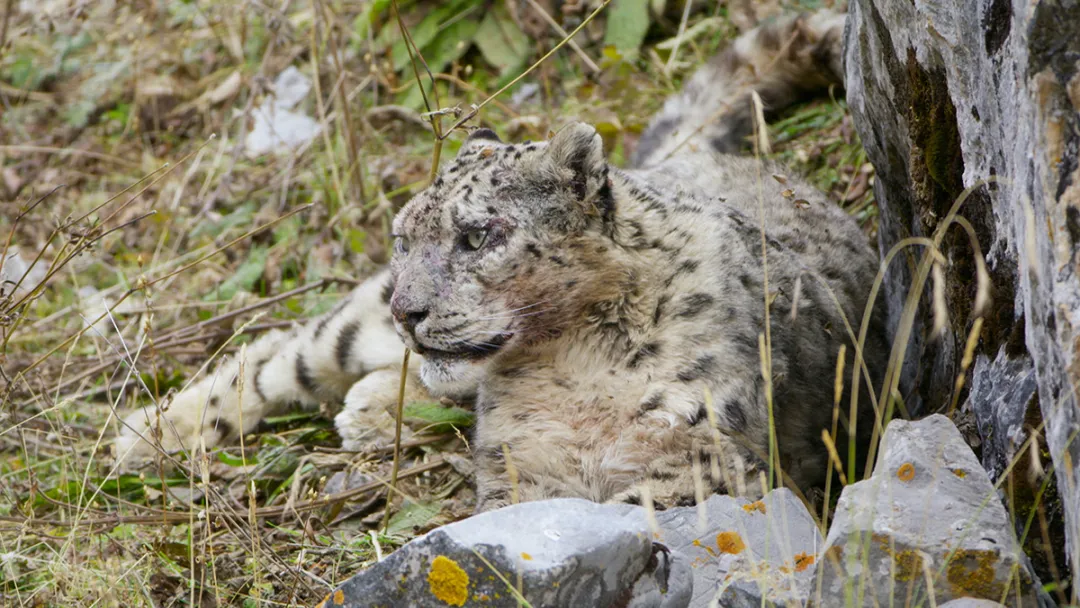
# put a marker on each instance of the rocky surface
(945, 94)
(969, 602)
(570, 552)
(562, 552)
(928, 512)
(740, 550)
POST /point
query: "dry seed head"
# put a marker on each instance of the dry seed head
(1030, 248)
(759, 120)
(834, 456)
(795, 298)
(1036, 471)
(982, 287)
(838, 386)
(941, 311)
(699, 492)
(650, 509)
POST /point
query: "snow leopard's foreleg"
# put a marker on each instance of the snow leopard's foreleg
(353, 345)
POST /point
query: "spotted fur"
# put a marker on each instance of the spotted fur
(594, 315)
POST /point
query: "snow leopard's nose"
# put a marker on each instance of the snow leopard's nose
(408, 316)
(412, 319)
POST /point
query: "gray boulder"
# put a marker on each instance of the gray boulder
(571, 552)
(561, 552)
(742, 551)
(944, 94)
(929, 511)
(970, 602)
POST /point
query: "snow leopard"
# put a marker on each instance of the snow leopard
(616, 330)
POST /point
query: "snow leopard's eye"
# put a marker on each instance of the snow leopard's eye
(475, 238)
(401, 244)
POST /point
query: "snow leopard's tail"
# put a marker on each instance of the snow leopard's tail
(785, 60)
(318, 361)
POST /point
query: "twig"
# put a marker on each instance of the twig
(397, 438)
(169, 517)
(476, 108)
(570, 42)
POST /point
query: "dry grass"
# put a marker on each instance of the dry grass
(122, 166)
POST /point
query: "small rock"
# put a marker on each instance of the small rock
(970, 602)
(561, 552)
(19, 274)
(277, 128)
(929, 508)
(746, 549)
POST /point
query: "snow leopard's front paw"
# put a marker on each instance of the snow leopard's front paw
(188, 419)
(368, 417)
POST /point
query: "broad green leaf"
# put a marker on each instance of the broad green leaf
(438, 418)
(450, 44)
(627, 23)
(245, 277)
(242, 215)
(234, 460)
(412, 514)
(424, 33)
(501, 41)
(365, 19)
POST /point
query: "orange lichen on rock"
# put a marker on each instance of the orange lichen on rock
(908, 565)
(448, 581)
(972, 572)
(803, 561)
(758, 506)
(730, 542)
(961, 473)
(906, 472)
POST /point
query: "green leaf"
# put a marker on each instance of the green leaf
(450, 44)
(627, 23)
(367, 17)
(436, 417)
(234, 460)
(240, 216)
(422, 35)
(247, 274)
(501, 41)
(412, 514)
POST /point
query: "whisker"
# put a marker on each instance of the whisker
(514, 316)
(530, 305)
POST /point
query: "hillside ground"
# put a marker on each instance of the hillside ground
(161, 242)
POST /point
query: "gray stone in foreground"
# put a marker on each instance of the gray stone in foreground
(970, 602)
(746, 549)
(571, 552)
(567, 552)
(929, 507)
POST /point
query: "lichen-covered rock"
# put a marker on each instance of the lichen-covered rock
(944, 94)
(571, 552)
(928, 511)
(743, 550)
(561, 552)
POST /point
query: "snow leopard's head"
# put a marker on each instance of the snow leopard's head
(490, 257)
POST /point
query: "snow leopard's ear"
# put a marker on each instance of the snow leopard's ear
(578, 152)
(479, 138)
